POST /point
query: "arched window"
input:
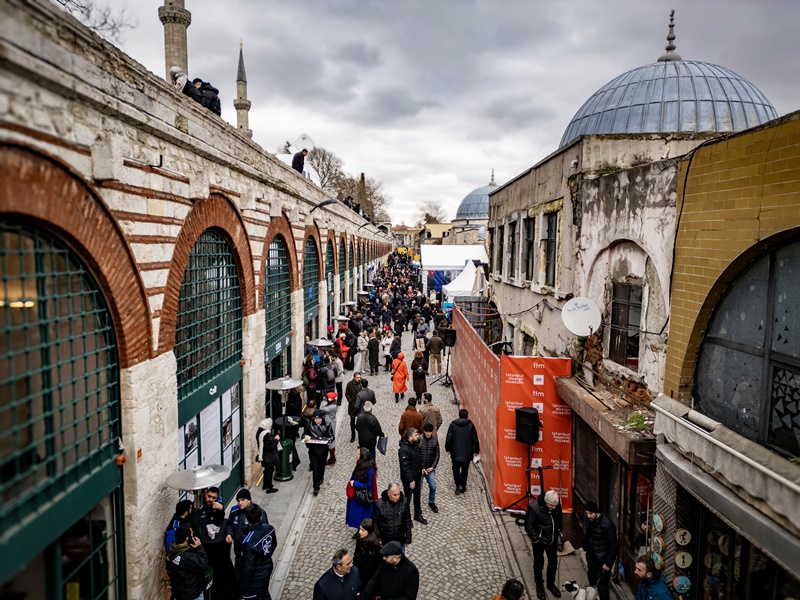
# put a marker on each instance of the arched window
(748, 373)
(208, 334)
(352, 272)
(59, 406)
(329, 271)
(277, 296)
(208, 348)
(342, 269)
(310, 285)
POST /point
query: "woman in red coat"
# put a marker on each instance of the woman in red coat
(399, 377)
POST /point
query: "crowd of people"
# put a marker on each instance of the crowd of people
(368, 342)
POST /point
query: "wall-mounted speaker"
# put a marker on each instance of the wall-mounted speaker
(528, 425)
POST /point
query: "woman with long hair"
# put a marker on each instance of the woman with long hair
(364, 477)
(367, 556)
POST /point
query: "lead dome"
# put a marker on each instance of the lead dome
(475, 205)
(672, 95)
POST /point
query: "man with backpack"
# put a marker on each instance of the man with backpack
(327, 377)
(209, 96)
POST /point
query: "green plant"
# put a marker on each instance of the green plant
(795, 460)
(637, 422)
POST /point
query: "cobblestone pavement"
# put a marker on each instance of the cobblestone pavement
(460, 553)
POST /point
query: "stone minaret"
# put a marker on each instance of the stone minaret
(242, 104)
(176, 20)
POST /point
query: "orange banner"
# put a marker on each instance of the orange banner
(525, 382)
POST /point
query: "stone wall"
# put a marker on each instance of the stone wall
(129, 173)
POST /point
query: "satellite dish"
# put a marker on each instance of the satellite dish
(581, 316)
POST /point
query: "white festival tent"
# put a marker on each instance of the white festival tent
(463, 284)
(448, 261)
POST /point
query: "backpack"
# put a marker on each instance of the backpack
(330, 374)
(420, 344)
(420, 370)
(169, 534)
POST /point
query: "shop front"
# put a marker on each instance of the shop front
(278, 319)
(60, 485)
(208, 348)
(329, 277)
(311, 289)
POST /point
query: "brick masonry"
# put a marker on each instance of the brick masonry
(737, 197)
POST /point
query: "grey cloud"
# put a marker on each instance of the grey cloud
(358, 54)
(385, 106)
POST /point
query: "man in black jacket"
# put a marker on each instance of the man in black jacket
(341, 581)
(411, 470)
(318, 430)
(186, 565)
(543, 523)
(299, 160)
(209, 95)
(429, 457)
(392, 515)
(368, 428)
(254, 562)
(396, 579)
(600, 544)
(237, 527)
(351, 393)
(462, 444)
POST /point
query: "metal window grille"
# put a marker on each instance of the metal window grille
(626, 310)
(310, 279)
(530, 247)
(59, 373)
(342, 269)
(550, 241)
(208, 334)
(329, 271)
(490, 247)
(352, 273)
(500, 241)
(277, 292)
(512, 249)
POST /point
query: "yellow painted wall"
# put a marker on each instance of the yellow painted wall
(736, 197)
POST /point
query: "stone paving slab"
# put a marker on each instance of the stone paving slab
(467, 550)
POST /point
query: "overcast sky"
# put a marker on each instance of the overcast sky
(428, 96)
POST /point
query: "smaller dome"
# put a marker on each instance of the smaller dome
(475, 205)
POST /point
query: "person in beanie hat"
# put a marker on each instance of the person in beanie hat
(267, 445)
(600, 545)
(543, 524)
(237, 527)
(368, 429)
(396, 578)
(429, 456)
(182, 84)
(317, 429)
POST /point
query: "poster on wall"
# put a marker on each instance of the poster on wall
(529, 382)
(209, 434)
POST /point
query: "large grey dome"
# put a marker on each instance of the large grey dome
(672, 95)
(475, 205)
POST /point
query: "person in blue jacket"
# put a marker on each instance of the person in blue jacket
(652, 586)
(254, 561)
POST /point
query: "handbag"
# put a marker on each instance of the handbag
(364, 496)
(350, 490)
(382, 445)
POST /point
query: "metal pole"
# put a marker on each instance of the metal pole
(284, 472)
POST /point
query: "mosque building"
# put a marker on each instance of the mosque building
(469, 226)
(674, 190)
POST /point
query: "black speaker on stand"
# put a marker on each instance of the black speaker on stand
(449, 339)
(528, 426)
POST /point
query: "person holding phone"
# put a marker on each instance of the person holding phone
(186, 565)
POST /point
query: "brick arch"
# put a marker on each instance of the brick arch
(42, 191)
(215, 212)
(688, 360)
(281, 225)
(343, 238)
(314, 230)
